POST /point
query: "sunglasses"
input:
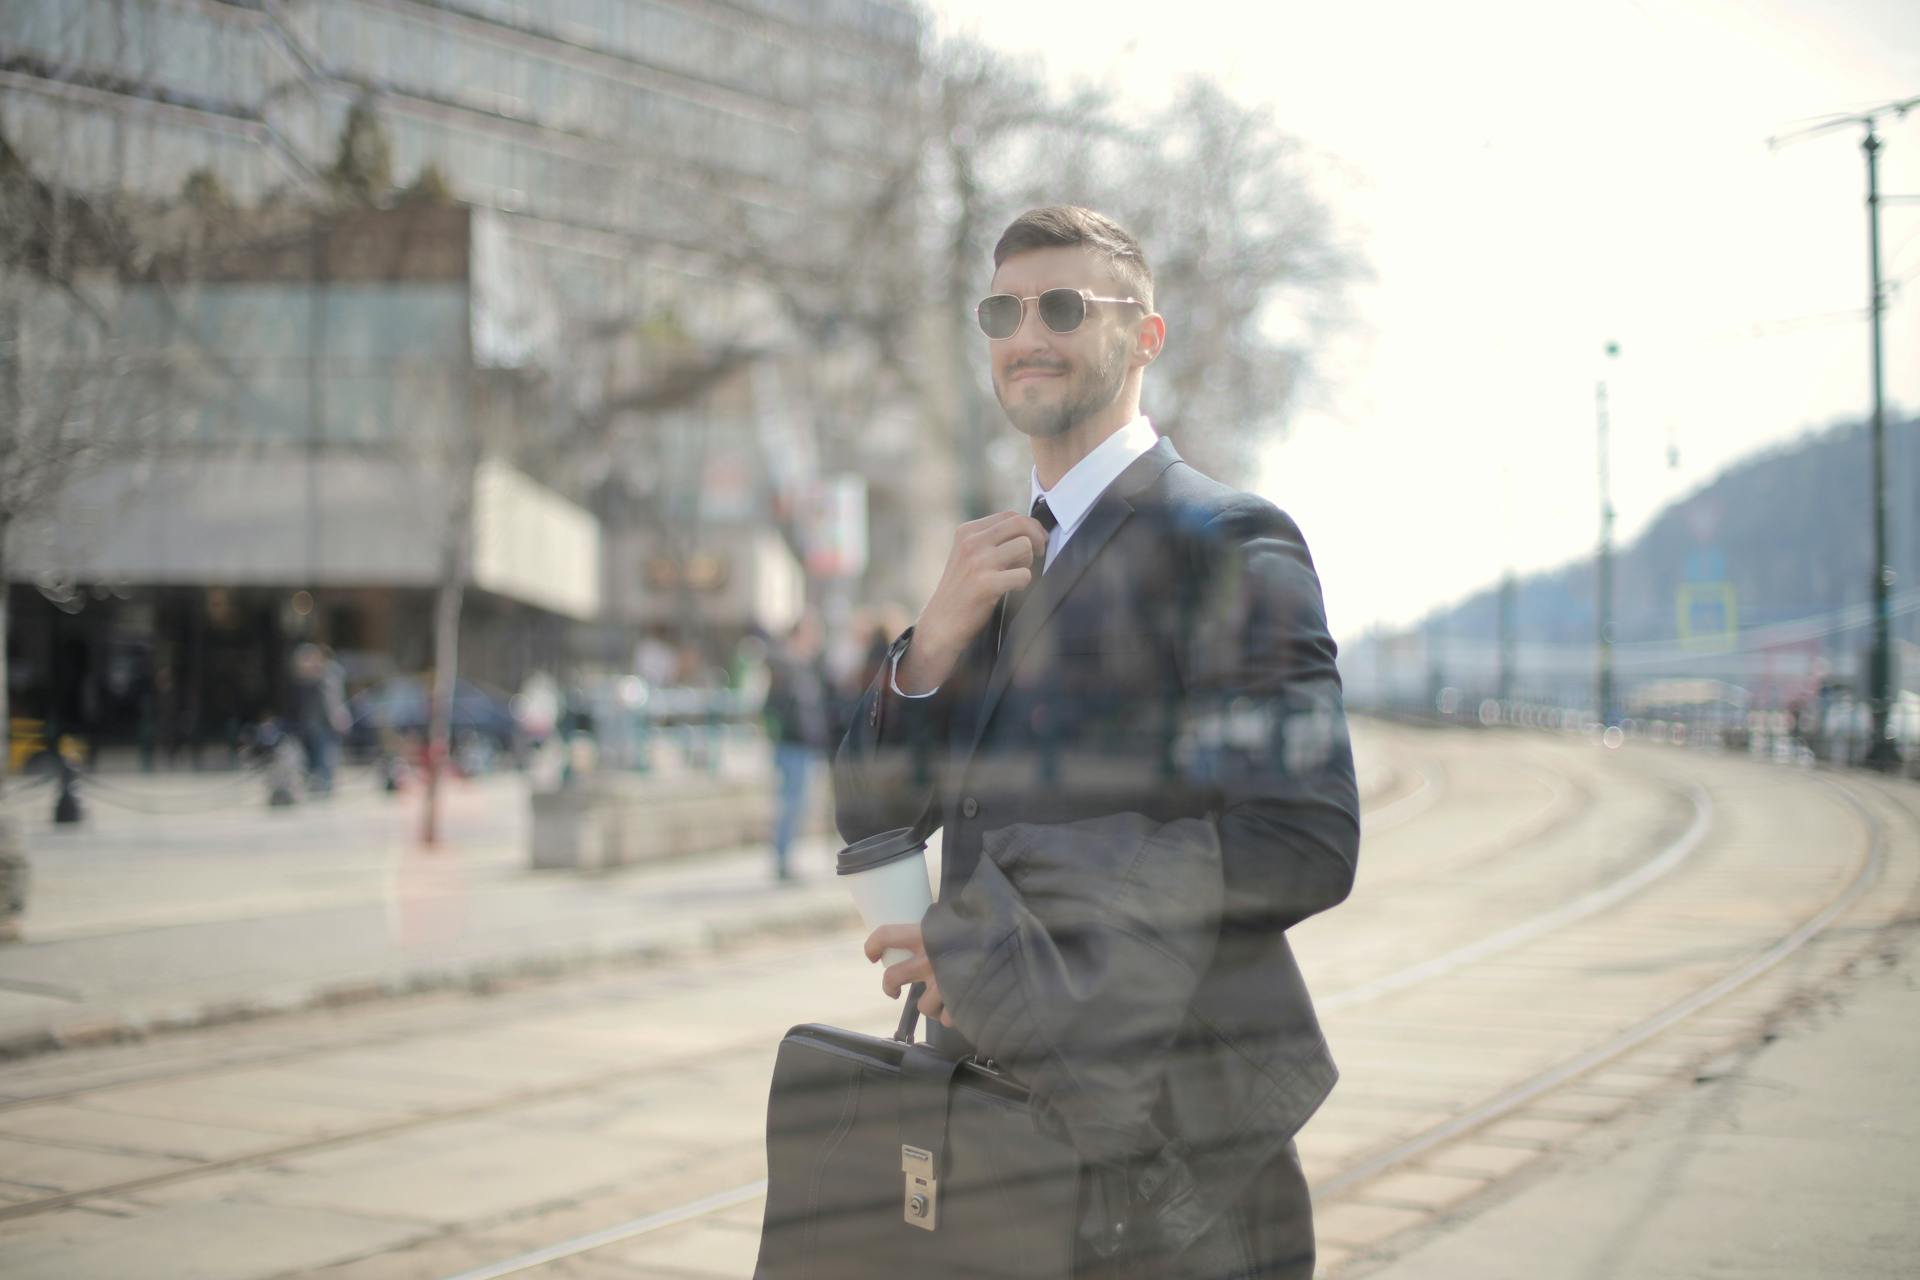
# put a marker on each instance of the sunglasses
(1061, 310)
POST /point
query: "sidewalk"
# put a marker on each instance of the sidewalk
(1797, 1158)
(203, 905)
(183, 900)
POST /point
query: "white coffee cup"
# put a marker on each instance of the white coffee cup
(888, 876)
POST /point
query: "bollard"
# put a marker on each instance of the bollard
(66, 807)
(281, 769)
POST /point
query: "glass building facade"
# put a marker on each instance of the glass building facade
(609, 150)
(608, 125)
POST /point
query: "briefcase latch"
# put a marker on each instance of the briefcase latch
(923, 1192)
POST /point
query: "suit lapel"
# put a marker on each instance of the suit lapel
(1108, 514)
(976, 665)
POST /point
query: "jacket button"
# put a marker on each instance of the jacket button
(969, 807)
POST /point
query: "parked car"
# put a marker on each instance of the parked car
(483, 725)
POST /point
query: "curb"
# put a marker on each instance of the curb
(483, 978)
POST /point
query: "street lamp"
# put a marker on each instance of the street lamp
(1603, 607)
(1881, 753)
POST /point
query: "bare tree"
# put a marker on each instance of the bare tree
(1250, 271)
(93, 342)
(90, 348)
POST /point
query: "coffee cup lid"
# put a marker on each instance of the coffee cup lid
(877, 851)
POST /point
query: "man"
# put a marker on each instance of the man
(798, 716)
(320, 713)
(1141, 641)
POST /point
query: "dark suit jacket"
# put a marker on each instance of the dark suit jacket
(1174, 662)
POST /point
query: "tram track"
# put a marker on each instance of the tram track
(1546, 859)
(1358, 1173)
(1353, 1176)
(1733, 1012)
(1568, 800)
(1464, 780)
(1671, 855)
(1649, 872)
(1666, 860)
(1429, 786)
(1525, 1092)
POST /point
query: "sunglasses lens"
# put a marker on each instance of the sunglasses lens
(999, 315)
(1062, 310)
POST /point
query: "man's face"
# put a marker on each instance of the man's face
(1050, 382)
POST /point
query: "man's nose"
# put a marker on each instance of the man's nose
(1032, 327)
(1033, 334)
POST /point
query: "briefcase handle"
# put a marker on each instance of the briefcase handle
(910, 1016)
(910, 1022)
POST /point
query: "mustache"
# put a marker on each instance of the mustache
(1043, 366)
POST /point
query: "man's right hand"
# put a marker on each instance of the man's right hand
(991, 556)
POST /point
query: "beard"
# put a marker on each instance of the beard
(1083, 394)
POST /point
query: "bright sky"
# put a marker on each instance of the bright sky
(1530, 181)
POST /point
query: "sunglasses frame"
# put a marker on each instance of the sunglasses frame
(1086, 296)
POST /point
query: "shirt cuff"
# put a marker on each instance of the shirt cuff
(893, 678)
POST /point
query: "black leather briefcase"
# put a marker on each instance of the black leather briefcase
(888, 1160)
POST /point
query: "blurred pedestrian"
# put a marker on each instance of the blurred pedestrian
(167, 715)
(798, 716)
(319, 713)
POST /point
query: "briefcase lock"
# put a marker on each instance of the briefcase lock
(923, 1192)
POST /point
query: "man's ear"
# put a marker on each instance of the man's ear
(1148, 339)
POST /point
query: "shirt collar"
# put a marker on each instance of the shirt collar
(1076, 492)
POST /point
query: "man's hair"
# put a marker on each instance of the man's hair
(1062, 225)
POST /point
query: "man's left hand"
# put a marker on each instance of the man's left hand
(915, 968)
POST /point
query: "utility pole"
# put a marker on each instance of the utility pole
(1603, 606)
(1882, 752)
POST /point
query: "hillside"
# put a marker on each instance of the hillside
(1788, 530)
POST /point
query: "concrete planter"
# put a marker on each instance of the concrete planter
(568, 831)
(613, 820)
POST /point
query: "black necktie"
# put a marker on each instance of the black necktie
(1044, 514)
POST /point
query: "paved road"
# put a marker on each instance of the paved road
(1787, 1157)
(1524, 901)
(1559, 988)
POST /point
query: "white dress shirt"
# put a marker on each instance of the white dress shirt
(1072, 498)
